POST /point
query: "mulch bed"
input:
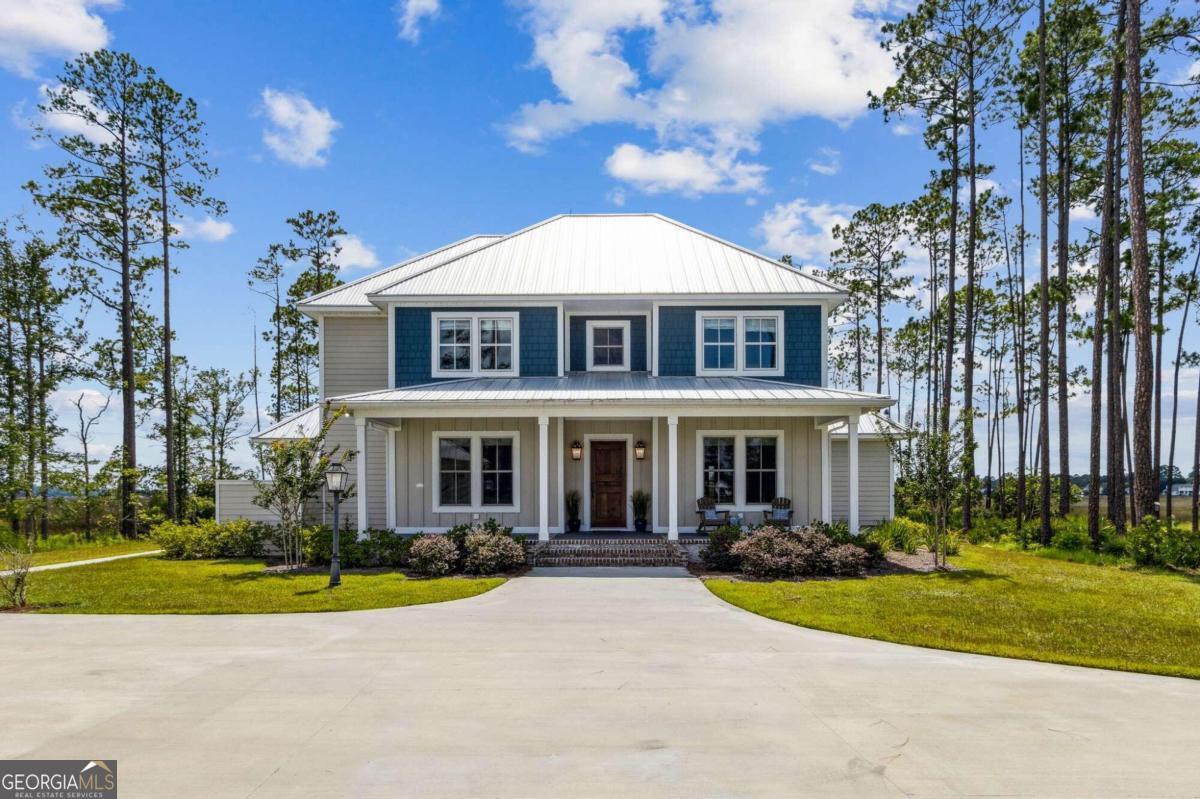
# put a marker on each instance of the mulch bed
(893, 563)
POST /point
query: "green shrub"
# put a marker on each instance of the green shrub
(838, 531)
(1157, 543)
(492, 553)
(900, 534)
(316, 543)
(771, 552)
(1071, 539)
(716, 555)
(433, 555)
(209, 539)
(385, 548)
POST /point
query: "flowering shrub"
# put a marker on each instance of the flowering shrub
(771, 552)
(490, 553)
(433, 555)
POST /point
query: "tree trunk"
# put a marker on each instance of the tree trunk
(968, 462)
(948, 375)
(1044, 290)
(1022, 352)
(128, 396)
(1159, 332)
(1116, 355)
(1145, 481)
(1064, 206)
(167, 373)
(1187, 306)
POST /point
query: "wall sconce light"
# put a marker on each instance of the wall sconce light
(639, 450)
(576, 451)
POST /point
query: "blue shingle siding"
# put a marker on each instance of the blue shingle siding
(637, 341)
(538, 342)
(801, 330)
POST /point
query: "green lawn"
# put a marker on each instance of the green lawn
(1005, 603)
(154, 585)
(100, 549)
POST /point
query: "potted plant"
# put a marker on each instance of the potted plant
(641, 509)
(573, 501)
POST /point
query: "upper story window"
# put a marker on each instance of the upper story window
(608, 346)
(739, 343)
(475, 344)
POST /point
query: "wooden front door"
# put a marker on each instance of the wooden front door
(608, 484)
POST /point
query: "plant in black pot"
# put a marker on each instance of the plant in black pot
(641, 509)
(573, 501)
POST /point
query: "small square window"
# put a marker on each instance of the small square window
(608, 346)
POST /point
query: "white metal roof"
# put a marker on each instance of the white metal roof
(871, 425)
(607, 254)
(354, 294)
(305, 424)
(630, 387)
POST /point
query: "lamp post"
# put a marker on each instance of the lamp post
(335, 480)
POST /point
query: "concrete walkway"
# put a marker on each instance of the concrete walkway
(574, 684)
(90, 561)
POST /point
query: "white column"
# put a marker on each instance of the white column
(360, 461)
(389, 441)
(852, 471)
(543, 478)
(655, 483)
(826, 477)
(562, 491)
(673, 478)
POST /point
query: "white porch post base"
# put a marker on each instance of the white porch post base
(852, 471)
(360, 462)
(673, 478)
(543, 478)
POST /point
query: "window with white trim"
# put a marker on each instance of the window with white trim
(607, 345)
(720, 474)
(476, 471)
(454, 472)
(475, 344)
(739, 343)
(740, 469)
(496, 472)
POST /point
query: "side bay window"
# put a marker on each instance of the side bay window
(475, 344)
(740, 470)
(476, 472)
(739, 343)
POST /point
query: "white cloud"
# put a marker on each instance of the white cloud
(206, 229)
(712, 79)
(617, 197)
(65, 124)
(803, 230)
(410, 14)
(829, 161)
(1082, 213)
(355, 253)
(986, 184)
(300, 132)
(687, 171)
(31, 29)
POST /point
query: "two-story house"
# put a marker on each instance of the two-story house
(600, 353)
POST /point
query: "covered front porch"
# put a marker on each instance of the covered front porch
(461, 451)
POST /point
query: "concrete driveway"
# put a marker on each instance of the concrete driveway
(568, 684)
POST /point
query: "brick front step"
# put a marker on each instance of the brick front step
(608, 552)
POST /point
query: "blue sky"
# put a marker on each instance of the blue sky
(425, 121)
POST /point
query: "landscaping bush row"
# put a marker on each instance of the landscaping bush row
(775, 552)
(480, 549)
(209, 539)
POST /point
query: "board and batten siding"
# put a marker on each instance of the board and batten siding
(416, 489)
(874, 480)
(802, 464)
(235, 500)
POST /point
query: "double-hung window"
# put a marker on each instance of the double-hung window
(739, 343)
(476, 472)
(475, 344)
(741, 470)
(607, 345)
